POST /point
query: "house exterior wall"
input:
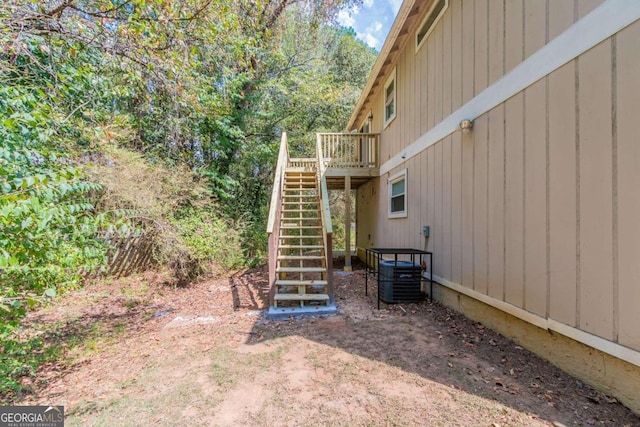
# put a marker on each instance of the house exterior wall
(538, 206)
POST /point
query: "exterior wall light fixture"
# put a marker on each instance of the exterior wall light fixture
(466, 125)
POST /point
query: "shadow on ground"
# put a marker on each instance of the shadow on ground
(436, 344)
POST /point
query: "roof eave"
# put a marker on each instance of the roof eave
(394, 33)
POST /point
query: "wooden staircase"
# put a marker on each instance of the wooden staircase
(301, 265)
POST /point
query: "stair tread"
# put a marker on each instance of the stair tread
(300, 270)
(299, 297)
(300, 237)
(297, 226)
(301, 282)
(301, 257)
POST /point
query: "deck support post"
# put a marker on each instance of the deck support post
(347, 223)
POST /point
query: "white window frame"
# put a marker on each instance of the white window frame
(393, 99)
(419, 43)
(402, 175)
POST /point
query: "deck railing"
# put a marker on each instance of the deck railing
(350, 150)
(303, 163)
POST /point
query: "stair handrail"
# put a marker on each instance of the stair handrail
(325, 214)
(273, 225)
(278, 182)
(324, 193)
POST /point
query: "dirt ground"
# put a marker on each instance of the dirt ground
(205, 355)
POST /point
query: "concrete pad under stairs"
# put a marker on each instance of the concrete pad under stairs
(276, 313)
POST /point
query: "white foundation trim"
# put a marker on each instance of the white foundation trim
(604, 21)
(605, 346)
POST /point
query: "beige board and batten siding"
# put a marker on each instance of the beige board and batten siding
(538, 206)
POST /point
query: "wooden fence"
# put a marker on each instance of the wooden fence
(130, 253)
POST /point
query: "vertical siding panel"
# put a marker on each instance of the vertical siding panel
(446, 64)
(446, 208)
(467, 50)
(496, 40)
(496, 203)
(480, 242)
(378, 235)
(467, 210)
(368, 214)
(424, 189)
(431, 176)
(405, 235)
(514, 209)
(596, 222)
(586, 6)
(424, 87)
(456, 207)
(535, 199)
(431, 80)
(402, 115)
(415, 96)
(562, 194)
(399, 122)
(481, 41)
(417, 84)
(437, 224)
(413, 195)
(534, 26)
(439, 63)
(456, 54)
(535, 235)
(513, 33)
(414, 127)
(407, 101)
(628, 97)
(415, 214)
(560, 14)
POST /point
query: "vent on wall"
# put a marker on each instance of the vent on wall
(429, 21)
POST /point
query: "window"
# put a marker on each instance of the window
(430, 20)
(390, 99)
(398, 195)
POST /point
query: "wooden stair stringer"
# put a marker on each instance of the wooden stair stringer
(301, 263)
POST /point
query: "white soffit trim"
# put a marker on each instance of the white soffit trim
(604, 21)
(605, 346)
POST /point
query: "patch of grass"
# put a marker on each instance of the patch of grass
(229, 367)
(23, 351)
(20, 357)
(98, 338)
(222, 368)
